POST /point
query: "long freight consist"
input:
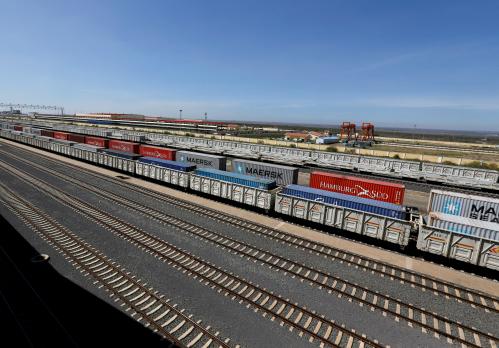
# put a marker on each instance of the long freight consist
(405, 169)
(374, 218)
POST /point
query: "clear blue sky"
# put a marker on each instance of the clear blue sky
(395, 63)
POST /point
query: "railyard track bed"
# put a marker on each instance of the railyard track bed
(432, 322)
(146, 304)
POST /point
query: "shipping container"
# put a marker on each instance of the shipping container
(18, 128)
(355, 186)
(95, 141)
(124, 146)
(88, 147)
(166, 174)
(47, 133)
(36, 131)
(342, 200)
(61, 135)
(255, 197)
(240, 179)
(327, 140)
(202, 160)
(76, 138)
(283, 175)
(121, 154)
(158, 152)
(465, 205)
(175, 165)
(461, 225)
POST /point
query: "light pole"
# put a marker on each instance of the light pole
(180, 112)
(205, 116)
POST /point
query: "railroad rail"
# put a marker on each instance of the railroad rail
(425, 282)
(148, 306)
(427, 320)
(306, 322)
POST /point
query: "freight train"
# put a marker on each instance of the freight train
(463, 235)
(438, 173)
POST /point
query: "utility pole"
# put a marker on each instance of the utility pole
(205, 116)
(180, 113)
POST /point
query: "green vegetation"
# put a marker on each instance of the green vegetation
(332, 149)
(396, 156)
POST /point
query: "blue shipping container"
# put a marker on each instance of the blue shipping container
(347, 201)
(175, 165)
(236, 178)
(127, 155)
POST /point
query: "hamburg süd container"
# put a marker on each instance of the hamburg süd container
(96, 141)
(355, 186)
(158, 152)
(202, 160)
(124, 146)
(175, 165)
(283, 175)
(347, 201)
(78, 138)
(236, 178)
(122, 154)
(474, 207)
(61, 135)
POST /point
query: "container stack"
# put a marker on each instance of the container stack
(236, 178)
(347, 201)
(283, 175)
(175, 165)
(465, 214)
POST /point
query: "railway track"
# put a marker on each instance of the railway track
(384, 270)
(427, 320)
(306, 322)
(146, 304)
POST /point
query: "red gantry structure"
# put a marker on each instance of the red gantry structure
(348, 132)
(367, 132)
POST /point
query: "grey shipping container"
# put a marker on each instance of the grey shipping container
(283, 175)
(475, 230)
(87, 147)
(202, 160)
(465, 206)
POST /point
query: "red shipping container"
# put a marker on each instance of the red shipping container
(158, 152)
(18, 128)
(95, 141)
(76, 137)
(61, 135)
(124, 146)
(47, 133)
(351, 185)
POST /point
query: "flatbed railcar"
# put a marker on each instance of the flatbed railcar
(467, 248)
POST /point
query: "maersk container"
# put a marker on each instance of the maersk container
(124, 146)
(175, 165)
(158, 152)
(355, 186)
(351, 202)
(465, 205)
(202, 160)
(121, 154)
(236, 178)
(283, 175)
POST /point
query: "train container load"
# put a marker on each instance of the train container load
(88, 147)
(124, 146)
(283, 175)
(78, 138)
(466, 206)
(61, 135)
(175, 165)
(236, 178)
(47, 133)
(18, 128)
(157, 152)
(202, 160)
(465, 226)
(36, 131)
(347, 201)
(121, 154)
(355, 186)
(96, 141)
